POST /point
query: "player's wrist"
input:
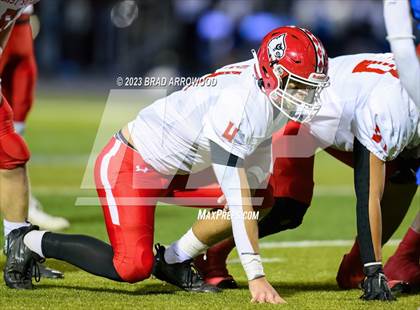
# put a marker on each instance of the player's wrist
(252, 265)
(259, 278)
(372, 268)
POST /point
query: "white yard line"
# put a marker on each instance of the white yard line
(313, 244)
(267, 260)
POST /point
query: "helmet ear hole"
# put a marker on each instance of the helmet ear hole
(265, 72)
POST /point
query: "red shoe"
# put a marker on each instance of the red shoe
(350, 273)
(213, 269)
(399, 287)
(215, 272)
(403, 268)
(404, 265)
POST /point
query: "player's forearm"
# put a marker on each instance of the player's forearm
(400, 36)
(365, 210)
(398, 19)
(231, 175)
(376, 189)
(244, 227)
(408, 67)
(245, 231)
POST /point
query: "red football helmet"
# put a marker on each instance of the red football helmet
(292, 67)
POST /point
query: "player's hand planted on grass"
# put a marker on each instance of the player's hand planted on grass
(263, 292)
(375, 286)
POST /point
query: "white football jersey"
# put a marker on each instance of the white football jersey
(173, 133)
(366, 100)
(10, 10)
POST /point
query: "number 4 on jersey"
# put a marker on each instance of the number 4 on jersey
(230, 132)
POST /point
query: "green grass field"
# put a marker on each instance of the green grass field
(61, 132)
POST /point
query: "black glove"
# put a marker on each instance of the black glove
(375, 285)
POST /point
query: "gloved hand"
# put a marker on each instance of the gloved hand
(375, 285)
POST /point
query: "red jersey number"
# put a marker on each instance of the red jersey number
(230, 132)
(378, 67)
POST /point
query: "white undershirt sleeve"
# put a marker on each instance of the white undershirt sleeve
(400, 36)
(230, 182)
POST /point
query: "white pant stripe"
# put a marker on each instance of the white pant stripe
(112, 205)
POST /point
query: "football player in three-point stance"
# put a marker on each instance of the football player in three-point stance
(358, 114)
(227, 128)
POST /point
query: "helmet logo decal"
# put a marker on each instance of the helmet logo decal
(277, 47)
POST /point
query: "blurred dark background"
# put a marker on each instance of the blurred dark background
(99, 38)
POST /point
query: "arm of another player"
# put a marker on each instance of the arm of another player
(369, 178)
(231, 175)
(400, 36)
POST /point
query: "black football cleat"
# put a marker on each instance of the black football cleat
(20, 261)
(401, 287)
(46, 272)
(182, 275)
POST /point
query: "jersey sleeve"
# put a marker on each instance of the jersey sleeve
(400, 37)
(228, 125)
(383, 124)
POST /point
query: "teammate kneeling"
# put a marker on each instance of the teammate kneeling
(222, 127)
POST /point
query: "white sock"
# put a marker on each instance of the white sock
(9, 226)
(184, 249)
(19, 127)
(33, 240)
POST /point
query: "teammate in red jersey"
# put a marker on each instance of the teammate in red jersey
(18, 71)
(14, 154)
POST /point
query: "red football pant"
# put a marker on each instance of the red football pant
(18, 69)
(13, 149)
